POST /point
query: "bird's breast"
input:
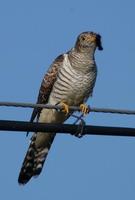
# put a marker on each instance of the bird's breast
(72, 86)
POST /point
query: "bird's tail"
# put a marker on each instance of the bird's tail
(34, 159)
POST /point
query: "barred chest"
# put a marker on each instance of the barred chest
(73, 86)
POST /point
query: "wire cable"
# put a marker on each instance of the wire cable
(72, 108)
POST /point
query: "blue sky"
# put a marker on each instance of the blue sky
(32, 34)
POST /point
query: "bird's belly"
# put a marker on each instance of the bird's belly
(74, 91)
(80, 92)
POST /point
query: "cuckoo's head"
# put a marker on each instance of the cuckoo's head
(88, 41)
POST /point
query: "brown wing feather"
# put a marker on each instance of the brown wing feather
(47, 85)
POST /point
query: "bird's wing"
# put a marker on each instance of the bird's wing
(47, 85)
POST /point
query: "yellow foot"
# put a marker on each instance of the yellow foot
(85, 109)
(65, 108)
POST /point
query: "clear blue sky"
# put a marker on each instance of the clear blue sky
(32, 34)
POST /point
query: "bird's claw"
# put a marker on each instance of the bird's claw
(84, 109)
(65, 108)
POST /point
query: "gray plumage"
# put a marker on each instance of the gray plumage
(70, 80)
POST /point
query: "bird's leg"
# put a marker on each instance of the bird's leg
(84, 109)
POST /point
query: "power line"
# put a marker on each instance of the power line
(72, 108)
(22, 126)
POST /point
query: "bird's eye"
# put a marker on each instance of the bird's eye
(83, 38)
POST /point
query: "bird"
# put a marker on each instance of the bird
(69, 81)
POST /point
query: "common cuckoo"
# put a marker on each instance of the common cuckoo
(69, 81)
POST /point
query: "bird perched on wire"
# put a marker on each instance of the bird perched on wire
(69, 81)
